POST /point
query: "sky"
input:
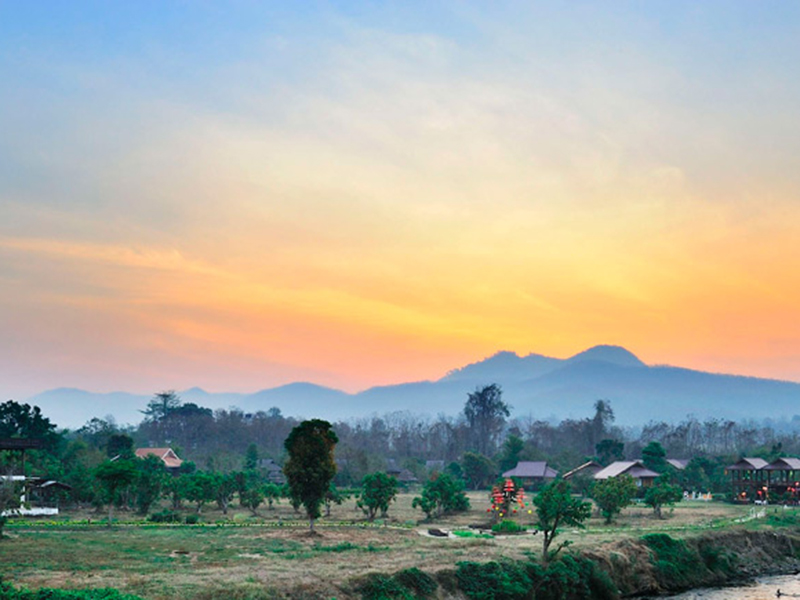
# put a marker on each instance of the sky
(244, 194)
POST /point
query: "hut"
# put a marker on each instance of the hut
(532, 474)
(643, 476)
(748, 480)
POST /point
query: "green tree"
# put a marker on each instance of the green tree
(175, 490)
(26, 421)
(120, 444)
(441, 495)
(654, 457)
(201, 488)
(478, 469)
(273, 493)
(661, 494)
(613, 494)
(512, 448)
(9, 499)
(251, 458)
(609, 451)
(224, 489)
(378, 490)
(114, 477)
(252, 496)
(334, 496)
(310, 468)
(149, 482)
(556, 508)
(486, 414)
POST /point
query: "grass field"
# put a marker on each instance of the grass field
(263, 560)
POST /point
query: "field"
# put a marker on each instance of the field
(275, 556)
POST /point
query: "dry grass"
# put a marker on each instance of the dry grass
(262, 561)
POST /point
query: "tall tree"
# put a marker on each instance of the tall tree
(654, 457)
(162, 404)
(26, 421)
(486, 414)
(609, 450)
(310, 468)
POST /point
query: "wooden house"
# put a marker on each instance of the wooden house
(643, 476)
(748, 480)
(532, 474)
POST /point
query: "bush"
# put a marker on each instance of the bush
(419, 582)
(575, 577)
(508, 526)
(380, 586)
(494, 580)
(192, 519)
(677, 566)
(9, 592)
(165, 516)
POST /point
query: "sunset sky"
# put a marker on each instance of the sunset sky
(240, 195)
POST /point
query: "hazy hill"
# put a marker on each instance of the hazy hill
(540, 386)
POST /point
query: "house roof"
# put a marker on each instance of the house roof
(171, 460)
(634, 468)
(784, 464)
(748, 464)
(591, 467)
(269, 464)
(538, 469)
(678, 463)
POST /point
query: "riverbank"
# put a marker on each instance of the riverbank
(657, 564)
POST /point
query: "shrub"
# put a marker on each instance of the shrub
(507, 526)
(380, 586)
(419, 582)
(192, 519)
(494, 580)
(9, 592)
(677, 566)
(165, 516)
(574, 577)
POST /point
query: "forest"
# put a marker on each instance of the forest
(476, 445)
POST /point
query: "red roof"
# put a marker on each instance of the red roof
(171, 460)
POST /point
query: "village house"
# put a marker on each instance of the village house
(532, 474)
(643, 476)
(755, 480)
(167, 456)
(588, 469)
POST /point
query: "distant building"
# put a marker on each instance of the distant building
(587, 469)
(643, 476)
(748, 479)
(678, 463)
(403, 476)
(272, 470)
(167, 456)
(532, 473)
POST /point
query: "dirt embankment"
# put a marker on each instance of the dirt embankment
(658, 564)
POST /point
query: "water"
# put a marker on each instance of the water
(764, 588)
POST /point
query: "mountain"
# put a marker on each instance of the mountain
(539, 386)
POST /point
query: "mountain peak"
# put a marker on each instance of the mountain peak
(616, 355)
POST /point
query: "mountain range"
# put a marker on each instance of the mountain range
(539, 386)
